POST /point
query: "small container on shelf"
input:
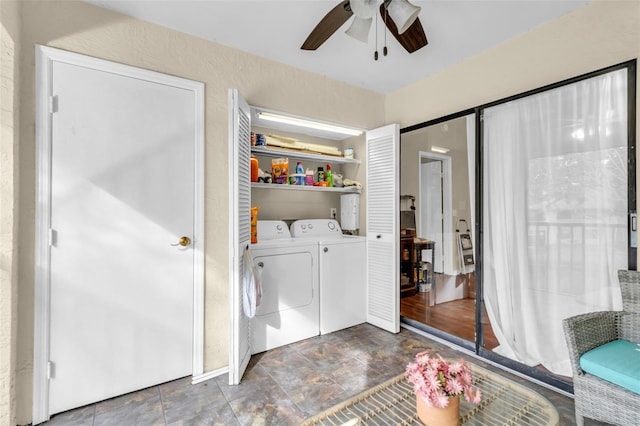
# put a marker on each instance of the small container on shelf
(296, 179)
(309, 177)
(348, 153)
(279, 170)
(254, 224)
(255, 166)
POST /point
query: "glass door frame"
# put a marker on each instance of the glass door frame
(477, 347)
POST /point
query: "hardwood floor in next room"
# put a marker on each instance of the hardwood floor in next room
(456, 317)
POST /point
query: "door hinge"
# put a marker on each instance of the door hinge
(53, 104)
(51, 370)
(53, 237)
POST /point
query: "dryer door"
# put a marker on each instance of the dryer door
(289, 306)
(286, 281)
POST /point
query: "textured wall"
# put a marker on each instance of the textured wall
(600, 34)
(9, 132)
(93, 31)
(603, 33)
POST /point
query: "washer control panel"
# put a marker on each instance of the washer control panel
(315, 228)
(272, 230)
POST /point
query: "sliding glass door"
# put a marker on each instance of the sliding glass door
(545, 182)
(558, 169)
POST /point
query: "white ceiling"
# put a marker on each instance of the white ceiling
(456, 29)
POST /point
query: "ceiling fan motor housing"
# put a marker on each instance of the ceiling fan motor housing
(364, 9)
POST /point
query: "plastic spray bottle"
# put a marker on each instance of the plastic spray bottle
(329, 176)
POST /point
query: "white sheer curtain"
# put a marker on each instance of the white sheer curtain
(554, 213)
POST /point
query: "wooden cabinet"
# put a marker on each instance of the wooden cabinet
(416, 273)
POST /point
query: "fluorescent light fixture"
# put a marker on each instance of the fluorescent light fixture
(308, 124)
(439, 149)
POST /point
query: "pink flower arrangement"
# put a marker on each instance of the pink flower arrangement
(436, 380)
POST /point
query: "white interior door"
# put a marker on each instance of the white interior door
(431, 209)
(239, 230)
(383, 228)
(122, 196)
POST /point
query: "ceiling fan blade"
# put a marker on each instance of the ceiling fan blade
(412, 39)
(331, 22)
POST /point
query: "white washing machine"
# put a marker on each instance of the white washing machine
(343, 288)
(289, 308)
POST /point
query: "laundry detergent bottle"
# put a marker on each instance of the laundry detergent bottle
(255, 166)
(300, 173)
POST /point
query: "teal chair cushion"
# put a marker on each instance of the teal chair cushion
(616, 362)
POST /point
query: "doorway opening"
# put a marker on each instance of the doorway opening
(435, 209)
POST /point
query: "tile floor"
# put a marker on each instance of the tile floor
(283, 386)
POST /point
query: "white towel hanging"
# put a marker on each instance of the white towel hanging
(249, 285)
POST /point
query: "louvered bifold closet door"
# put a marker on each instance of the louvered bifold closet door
(383, 275)
(240, 232)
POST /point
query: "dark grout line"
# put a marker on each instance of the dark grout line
(281, 388)
(164, 411)
(235, 415)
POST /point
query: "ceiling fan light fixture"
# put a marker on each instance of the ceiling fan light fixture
(359, 29)
(403, 14)
(364, 8)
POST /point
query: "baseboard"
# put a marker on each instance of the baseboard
(209, 375)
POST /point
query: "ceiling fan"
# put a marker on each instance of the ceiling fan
(400, 17)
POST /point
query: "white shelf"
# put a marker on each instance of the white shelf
(344, 190)
(301, 155)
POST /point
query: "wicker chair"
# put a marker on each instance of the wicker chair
(596, 398)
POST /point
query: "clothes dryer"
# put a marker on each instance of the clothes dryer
(343, 289)
(289, 306)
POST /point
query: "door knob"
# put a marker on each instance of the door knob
(183, 241)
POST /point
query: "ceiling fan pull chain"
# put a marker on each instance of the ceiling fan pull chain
(375, 54)
(384, 50)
